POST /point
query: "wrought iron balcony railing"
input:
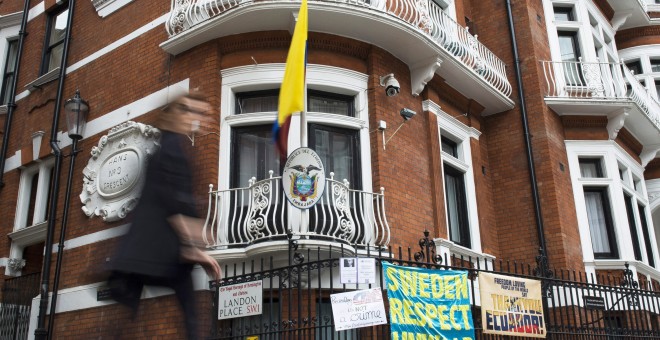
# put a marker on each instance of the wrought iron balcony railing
(424, 16)
(598, 81)
(260, 212)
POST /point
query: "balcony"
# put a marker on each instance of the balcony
(605, 89)
(258, 219)
(634, 13)
(419, 33)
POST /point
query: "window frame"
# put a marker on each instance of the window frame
(44, 171)
(456, 132)
(568, 10)
(234, 164)
(462, 207)
(319, 77)
(617, 163)
(609, 223)
(48, 47)
(355, 149)
(5, 86)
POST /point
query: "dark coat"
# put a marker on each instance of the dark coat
(152, 247)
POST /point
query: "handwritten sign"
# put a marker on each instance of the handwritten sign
(428, 304)
(239, 300)
(356, 309)
(511, 305)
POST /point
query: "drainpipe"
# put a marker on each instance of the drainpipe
(11, 105)
(528, 144)
(41, 332)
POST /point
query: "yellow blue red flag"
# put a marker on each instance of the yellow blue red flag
(292, 92)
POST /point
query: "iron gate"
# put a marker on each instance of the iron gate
(17, 295)
(296, 296)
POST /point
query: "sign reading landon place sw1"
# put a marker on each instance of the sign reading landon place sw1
(303, 178)
(114, 175)
(241, 299)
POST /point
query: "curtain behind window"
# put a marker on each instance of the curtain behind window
(254, 151)
(597, 222)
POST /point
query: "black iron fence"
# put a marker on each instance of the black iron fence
(296, 297)
(17, 295)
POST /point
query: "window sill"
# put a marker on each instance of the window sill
(46, 78)
(459, 252)
(107, 7)
(3, 109)
(29, 235)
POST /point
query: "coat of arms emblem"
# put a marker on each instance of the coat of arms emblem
(303, 178)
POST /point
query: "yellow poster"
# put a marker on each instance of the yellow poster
(511, 306)
(252, 337)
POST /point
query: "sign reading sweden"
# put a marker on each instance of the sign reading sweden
(428, 304)
(303, 178)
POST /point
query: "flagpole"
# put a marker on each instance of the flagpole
(303, 119)
(304, 216)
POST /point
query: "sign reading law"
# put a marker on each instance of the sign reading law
(428, 304)
(303, 178)
(511, 306)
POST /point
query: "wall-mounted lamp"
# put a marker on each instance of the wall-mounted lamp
(76, 110)
(406, 114)
(390, 84)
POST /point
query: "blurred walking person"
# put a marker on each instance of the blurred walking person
(161, 246)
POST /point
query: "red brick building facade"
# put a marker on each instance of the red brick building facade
(460, 167)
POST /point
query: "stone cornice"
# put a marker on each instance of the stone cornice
(10, 20)
(107, 7)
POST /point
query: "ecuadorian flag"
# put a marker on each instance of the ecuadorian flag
(292, 92)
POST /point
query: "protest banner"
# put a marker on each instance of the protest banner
(428, 304)
(511, 306)
(356, 309)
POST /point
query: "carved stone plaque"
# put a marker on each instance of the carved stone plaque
(113, 177)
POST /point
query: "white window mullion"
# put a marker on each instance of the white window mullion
(23, 200)
(41, 199)
(622, 236)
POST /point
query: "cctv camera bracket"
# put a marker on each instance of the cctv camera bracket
(398, 128)
(384, 78)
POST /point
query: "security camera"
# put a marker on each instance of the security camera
(391, 85)
(407, 113)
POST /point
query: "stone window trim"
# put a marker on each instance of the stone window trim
(107, 7)
(613, 158)
(319, 77)
(451, 128)
(44, 79)
(19, 240)
(10, 20)
(43, 169)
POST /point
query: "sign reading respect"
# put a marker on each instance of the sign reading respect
(428, 304)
